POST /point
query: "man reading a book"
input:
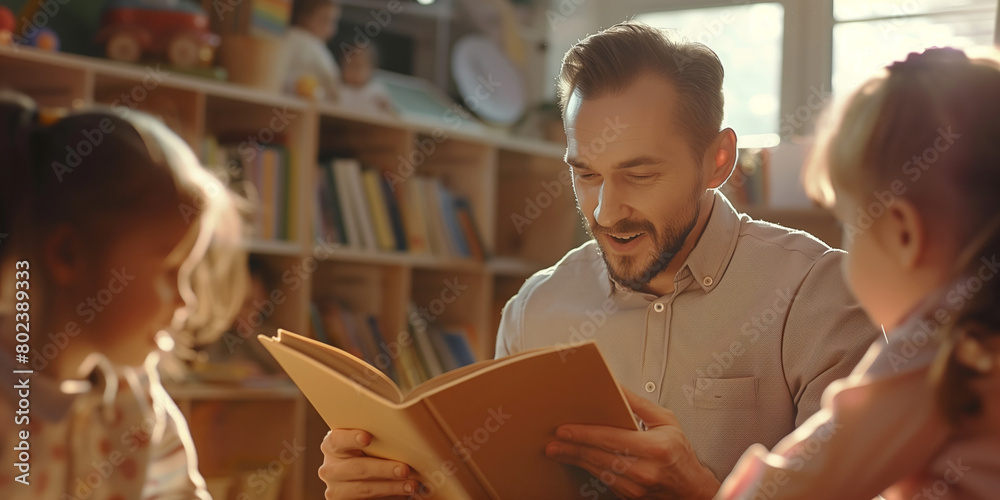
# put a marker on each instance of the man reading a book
(724, 331)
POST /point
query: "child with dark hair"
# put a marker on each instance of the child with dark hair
(310, 67)
(910, 168)
(103, 239)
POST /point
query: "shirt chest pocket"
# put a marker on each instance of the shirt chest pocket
(726, 393)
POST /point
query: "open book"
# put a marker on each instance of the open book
(476, 432)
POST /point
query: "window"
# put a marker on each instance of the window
(748, 40)
(868, 35)
(779, 55)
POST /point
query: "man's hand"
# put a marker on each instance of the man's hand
(657, 463)
(350, 474)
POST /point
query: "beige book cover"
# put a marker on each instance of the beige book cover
(476, 432)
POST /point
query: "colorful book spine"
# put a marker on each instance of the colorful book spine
(264, 195)
(421, 339)
(444, 353)
(281, 205)
(356, 334)
(395, 216)
(435, 220)
(354, 187)
(459, 346)
(327, 227)
(456, 237)
(409, 366)
(345, 201)
(337, 331)
(384, 358)
(333, 205)
(379, 210)
(470, 230)
(320, 229)
(291, 207)
(410, 198)
(316, 320)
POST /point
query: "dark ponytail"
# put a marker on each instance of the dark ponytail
(17, 127)
(976, 325)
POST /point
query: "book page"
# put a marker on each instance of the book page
(447, 378)
(468, 371)
(356, 370)
(405, 432)
(501, 417)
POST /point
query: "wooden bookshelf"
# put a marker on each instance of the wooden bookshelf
(247, 425)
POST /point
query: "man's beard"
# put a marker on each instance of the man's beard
(666, 245)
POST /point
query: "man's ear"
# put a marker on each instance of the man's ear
(720, 158)
(63, 252)
(902, 233)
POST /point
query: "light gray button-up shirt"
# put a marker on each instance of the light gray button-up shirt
(759, 323)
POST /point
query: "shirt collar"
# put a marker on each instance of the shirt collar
(710, 257)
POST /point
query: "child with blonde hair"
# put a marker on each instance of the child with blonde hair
(912, 172)
(105, 218)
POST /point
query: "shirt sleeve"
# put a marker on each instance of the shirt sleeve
(510, 328)
(867, 435)
(510, 334)
(826, 333)
(173, 464)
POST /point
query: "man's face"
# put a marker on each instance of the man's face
(636, 181)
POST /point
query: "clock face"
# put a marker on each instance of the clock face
(490, 84)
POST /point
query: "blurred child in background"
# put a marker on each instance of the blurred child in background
(912, 171)
(360, 89)
(106, 218)
(310, 69)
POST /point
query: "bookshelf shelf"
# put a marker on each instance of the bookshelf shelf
(403, 259)
(164, 76)
(273, 247)
(490, 170)
(465, 132)
(277, 388)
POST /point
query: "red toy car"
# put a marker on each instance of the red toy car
(177, 29)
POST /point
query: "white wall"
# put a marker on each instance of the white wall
(569, 21)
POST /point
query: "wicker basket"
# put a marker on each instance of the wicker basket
(253, 61)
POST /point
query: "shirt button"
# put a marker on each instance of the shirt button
(658, 307)
(650, 387)
(707, 281)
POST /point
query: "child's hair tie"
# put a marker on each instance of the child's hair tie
(928, 60)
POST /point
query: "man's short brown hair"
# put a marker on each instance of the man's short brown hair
(608, 62)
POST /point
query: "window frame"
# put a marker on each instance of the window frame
(806, 60)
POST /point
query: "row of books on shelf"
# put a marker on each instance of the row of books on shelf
(429, 350)
(265, 176)
(362, 209)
